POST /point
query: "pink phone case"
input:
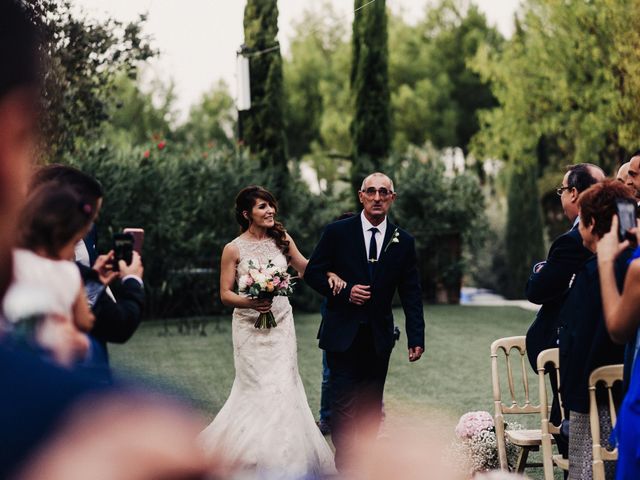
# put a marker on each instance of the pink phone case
(138, 238)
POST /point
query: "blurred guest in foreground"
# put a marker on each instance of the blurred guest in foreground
(117, 294)
(50, 424)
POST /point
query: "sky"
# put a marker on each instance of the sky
(198, 39)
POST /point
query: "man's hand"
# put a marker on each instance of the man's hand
(135, 268)
(104, 267)
(415, 353)
(359, 294)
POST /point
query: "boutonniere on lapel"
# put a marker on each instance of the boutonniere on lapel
(395, 238)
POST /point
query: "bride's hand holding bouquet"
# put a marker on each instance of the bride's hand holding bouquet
(262, 283)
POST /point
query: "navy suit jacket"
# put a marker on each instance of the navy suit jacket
(341, 250)
(584, 341)
(549, 286)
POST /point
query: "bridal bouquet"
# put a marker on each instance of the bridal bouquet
(476, 442)
(265, 281)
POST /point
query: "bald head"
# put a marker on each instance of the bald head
(596, 172)
(623, 173)
(378, 175)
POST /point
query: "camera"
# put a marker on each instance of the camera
(122, 248)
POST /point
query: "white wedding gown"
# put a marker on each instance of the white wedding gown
(266, 423)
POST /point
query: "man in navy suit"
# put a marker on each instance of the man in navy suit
(376, 259)
(550, 280)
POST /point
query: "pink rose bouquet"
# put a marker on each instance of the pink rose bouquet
(265, 281)
(476, 443)
(472, 423)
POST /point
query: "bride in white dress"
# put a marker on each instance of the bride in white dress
(265, 424)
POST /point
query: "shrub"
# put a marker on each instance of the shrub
(445, 213)
(185, 202)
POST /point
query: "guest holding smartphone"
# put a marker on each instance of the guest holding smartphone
(622, 318)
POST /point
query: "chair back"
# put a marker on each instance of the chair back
(549, 358)
(511, 406)
(605, 376)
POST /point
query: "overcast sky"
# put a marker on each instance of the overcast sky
(198, 39)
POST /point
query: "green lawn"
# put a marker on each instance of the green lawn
(451, 378)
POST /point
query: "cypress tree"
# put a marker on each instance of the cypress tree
(263, 125)
(371, 127)
(524, 241)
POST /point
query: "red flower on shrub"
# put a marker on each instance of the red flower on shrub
(146, 154)
(161, 145)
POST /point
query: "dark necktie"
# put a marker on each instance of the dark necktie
(373, 251)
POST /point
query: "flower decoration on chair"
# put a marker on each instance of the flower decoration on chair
(265, 281)
(476, 442)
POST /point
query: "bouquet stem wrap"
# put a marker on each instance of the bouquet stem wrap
(266, 320)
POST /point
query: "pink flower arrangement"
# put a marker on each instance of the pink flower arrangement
(472, 423)
(265, 281)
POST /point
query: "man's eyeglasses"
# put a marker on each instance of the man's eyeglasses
(559, 190)
(371, 192)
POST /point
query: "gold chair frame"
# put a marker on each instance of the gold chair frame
(608, 375)
(528, 440)
(550, 356)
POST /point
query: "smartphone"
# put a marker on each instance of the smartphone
(122, 248)
(627, 218)
(138, 238)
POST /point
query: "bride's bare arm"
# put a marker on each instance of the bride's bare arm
(228, 264)
(298, 261)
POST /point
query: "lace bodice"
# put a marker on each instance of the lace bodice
(260, 252)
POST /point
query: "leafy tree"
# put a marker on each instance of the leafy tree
(263, 125)
(436, 95)
(524, 241)
(212, 121)
(136, 116)
(445, 213)
(371, 127)
(84, 57)
(318, 98)
(567, 85)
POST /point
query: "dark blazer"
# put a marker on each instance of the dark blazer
(116, 322)
(549, 286)
(341, 250)
(584, 341)
(36, 397)
(90, 241)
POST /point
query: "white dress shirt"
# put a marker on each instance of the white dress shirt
(382, 228)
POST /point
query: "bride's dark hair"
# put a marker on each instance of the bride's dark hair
(245, 201)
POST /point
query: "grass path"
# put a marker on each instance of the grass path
(452, 377)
